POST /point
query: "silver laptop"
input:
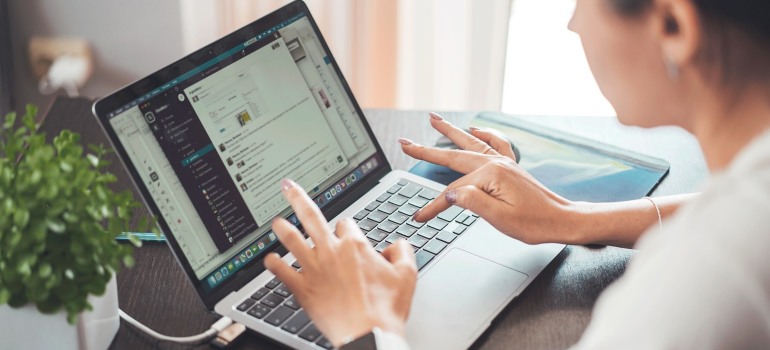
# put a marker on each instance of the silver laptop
(207, 140)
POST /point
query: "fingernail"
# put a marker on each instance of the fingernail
(405, 142)
(417, 214)
(435, 116)
(473, 128)
(286, 184)
(451, 196)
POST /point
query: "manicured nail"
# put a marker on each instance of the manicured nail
(451, 196)
(473, 128)
(286, 184)
(435, 116)
(405, 142)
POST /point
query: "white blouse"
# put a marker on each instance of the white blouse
(703, 280)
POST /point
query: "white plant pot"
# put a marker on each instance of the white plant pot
(27, 328)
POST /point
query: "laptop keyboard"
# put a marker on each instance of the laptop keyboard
(383, 221)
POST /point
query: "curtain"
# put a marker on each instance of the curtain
(408, 54)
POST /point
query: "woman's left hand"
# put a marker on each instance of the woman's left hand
(345, 286)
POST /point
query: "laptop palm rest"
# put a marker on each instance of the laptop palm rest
(457, 298)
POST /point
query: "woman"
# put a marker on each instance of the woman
(700, 280)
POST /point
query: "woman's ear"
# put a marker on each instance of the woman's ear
(678, 26)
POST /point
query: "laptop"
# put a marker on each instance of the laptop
(207, 140)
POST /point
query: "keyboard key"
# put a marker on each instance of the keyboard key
(410, 190)
(459, 229)
(413, 223)
(446, 236)
(296, 322)
(279, 316)
(325, 343)
(462, 218)
(373, 242)
(272, 300)
(429, 194)
(451, 213)
(377, 235)
(417, 241)
(403, 182)
(387, 208)
(361, 215)
(377, 216)
(393, 189)
(367, 225)
(398, 200)
(435, 246)
(408, 209)
(470, 220)
(383, 197)
(438, 224)
(296, 265)
(423, 258)
(387, 226)
(292, 303)
(398, 217)
(427, 232)
(273, 283)
(406, 230)
(372, 205)
(261, 292)
(246, 304)
(418, 202)
(283, 291)
(259, 311)
(310, 333)
(380, 247)
(395, 237)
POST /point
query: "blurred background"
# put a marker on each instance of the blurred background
(514, 56)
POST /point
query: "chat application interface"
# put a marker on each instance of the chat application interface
(213, 147)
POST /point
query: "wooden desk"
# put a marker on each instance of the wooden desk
(551, 314)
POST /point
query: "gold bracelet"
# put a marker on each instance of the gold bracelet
(657, 209)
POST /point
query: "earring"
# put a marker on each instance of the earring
(671, 68)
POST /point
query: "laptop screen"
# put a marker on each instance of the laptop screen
(212, 144)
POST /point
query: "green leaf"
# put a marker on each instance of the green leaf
(10, 119)
(5, 295)
(21, 218)
(56, 226)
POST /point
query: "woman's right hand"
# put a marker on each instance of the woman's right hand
(496, 188)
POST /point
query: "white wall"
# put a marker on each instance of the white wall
(546, 72)
(130, 39)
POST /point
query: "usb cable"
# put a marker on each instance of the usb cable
(216, 328)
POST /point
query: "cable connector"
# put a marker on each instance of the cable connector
(215, 329)
(228, 335)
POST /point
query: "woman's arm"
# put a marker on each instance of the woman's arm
(513, 201)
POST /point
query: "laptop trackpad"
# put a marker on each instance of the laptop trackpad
(457, 298)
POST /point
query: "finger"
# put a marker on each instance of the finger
(461, 138)
(284, 272)
(346, 228)
(457, 160)
(292, 239)
(401, 255)
(447, 198)
(474, 199)
(307, 212)
(497, 142)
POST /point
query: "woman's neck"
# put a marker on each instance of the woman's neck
(724, 128)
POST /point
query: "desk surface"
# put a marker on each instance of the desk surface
(550, 314)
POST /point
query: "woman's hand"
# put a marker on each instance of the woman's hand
(345, 286)
(495, 187)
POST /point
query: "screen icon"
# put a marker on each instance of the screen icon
(212, 280)
(218, 275)
(224, 271)
(249, 254)
(149, 117)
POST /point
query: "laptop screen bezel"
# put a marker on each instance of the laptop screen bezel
(109, 104)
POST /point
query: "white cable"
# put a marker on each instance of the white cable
(217, 327)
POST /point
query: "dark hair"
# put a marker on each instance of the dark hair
(737, 34)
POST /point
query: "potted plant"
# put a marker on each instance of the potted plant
(58, 222)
